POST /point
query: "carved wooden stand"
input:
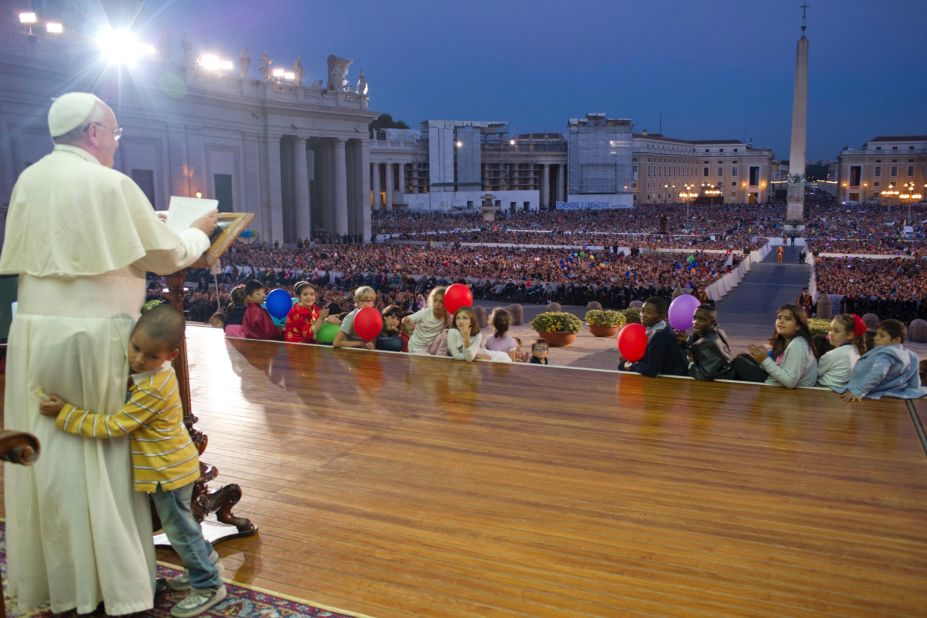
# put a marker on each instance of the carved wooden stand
(222, 500)
(18, 448)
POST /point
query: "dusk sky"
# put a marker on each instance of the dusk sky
(713, 68)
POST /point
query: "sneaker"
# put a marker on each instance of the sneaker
(182, 581)
(198, 601)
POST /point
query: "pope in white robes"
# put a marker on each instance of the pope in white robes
(80, 235)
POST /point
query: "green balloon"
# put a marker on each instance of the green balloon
(327, 333)
(582, 254)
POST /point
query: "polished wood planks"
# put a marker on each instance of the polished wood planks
(394, 485)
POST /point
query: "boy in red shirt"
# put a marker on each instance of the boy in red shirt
(257, 323)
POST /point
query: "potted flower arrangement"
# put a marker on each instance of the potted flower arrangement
(632, 315)
(818, 326)
(557, 328)
(604, 322)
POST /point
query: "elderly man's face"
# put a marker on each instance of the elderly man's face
(103, 138)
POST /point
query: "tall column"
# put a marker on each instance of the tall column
(361, 149)
(796, 191)
(545, 187)
(341, 187)
(365, 212)
(563, 183)
(272, 227)
(389, 187)
(301, 193)
(560, 197)
(401, 189)
(177, 153)
(377, 183)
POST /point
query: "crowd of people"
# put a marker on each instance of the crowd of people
(886, 287)
(498, 273)
(867, 229)
(734, 226)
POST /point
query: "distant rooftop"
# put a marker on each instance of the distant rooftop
(660, 136)
(900, 138)
(599, 120)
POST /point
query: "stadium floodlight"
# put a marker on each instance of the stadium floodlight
(212, 62)
(122, 47)
(54, 27)
(28, 18)
(278, 73)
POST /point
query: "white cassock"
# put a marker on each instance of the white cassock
(80, 236)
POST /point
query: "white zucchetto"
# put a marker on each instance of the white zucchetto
(69, 111)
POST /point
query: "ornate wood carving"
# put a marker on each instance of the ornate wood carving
(222, 500)
(18, 448)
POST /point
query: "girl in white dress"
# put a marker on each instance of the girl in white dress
(847, 336)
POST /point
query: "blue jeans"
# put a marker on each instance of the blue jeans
(186, 536)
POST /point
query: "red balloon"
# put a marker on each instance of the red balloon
(368, 323)
(632, 341)
(457, 295)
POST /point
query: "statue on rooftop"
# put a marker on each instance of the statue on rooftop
(244, 62)
(299, 71)
(337, 71)
(362, 83)
(265, 66)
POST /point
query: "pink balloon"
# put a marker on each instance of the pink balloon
(368, 323)
(681, 311)
(632, 341)
(457, 295)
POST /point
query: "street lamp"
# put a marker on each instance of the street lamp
(908, 195)
(687, 196)
(710, 192)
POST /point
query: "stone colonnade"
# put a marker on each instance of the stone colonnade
(317, 185)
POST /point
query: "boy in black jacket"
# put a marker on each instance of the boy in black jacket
(662, 355)
(708, 351)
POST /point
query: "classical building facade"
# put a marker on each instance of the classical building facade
(457, 164)
(296, 155)
(886, 163)
(714, 170)
(600, 160)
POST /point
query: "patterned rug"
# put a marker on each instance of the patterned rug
(241, 601)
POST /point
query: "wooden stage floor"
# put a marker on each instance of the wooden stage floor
(393, 485)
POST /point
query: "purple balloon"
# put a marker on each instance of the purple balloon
(681, 311)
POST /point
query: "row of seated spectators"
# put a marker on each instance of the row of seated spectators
(409, 292)
(489, 265)
(867, 229)
(731, 226)
(518, 275)
(887, 287)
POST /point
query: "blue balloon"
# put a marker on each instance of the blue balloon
(278, 303)
(570, 259)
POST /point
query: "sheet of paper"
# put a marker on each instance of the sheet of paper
(183, 211)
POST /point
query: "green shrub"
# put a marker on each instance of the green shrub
(632, 315)
(605, 317)
(818, 326)
(556, 322)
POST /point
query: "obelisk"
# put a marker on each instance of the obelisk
(796, 195)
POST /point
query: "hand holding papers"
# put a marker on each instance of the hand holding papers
(222, 228)
(186, 212)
